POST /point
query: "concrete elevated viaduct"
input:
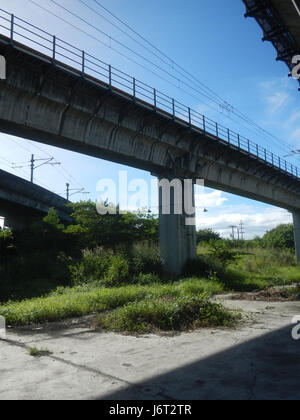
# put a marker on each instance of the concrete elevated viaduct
(50, 102)
(22, 202)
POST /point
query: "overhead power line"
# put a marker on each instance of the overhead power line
(61, 168)
(173, 63)
(12, 165)
(221, 106)
(20, 165)
(73, 191)
(33, 166)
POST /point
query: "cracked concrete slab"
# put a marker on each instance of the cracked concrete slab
(257, 360)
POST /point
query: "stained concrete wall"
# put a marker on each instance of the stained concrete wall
(51, 105)
(296, 220)
(54, 104)
(177, 237)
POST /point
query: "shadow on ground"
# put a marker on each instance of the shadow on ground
(267, 367)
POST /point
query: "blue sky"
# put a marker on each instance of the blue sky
(216, 44)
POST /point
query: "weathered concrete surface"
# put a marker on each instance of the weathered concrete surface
(22, 202)
(290, 16)
(296, 220)
(49, 102)
(177, 226)
(258, 360)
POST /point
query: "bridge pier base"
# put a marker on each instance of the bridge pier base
(296, 218)
(177, 229)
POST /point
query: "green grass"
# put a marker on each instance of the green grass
(160, 305)
(35, 352)
(258, 269)
(167, 314)
(264, 273)
(78, 301)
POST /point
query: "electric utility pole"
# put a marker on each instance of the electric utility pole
(75, 191)
(47, 161)
(233, 231)
(242, 231)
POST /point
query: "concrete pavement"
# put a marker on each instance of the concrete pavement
(257, 360)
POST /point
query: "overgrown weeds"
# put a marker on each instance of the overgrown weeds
(168, 313)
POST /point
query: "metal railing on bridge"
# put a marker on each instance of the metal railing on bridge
(18, 30)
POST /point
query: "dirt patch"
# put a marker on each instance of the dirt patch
(84, 322)
(274, 294)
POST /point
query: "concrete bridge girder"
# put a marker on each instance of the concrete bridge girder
(83, 115)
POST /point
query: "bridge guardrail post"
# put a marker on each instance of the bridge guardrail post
(265, 155)
(54, 48)
(12, 26)
(109, 76)
(204, 124)
(228, 134)
(249, 147)
(173, 108)
(134, 89)
(217, 130)
(155, 99)
(190, 117)
(83, 63)
(239, 141)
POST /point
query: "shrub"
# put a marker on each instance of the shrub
(146, 279)
(206, 235)
(280, 237)
(222, 252)
(146, 260)
(203, 266)
(167, 314)
(93, 266)
(102, 267)
(118, 271)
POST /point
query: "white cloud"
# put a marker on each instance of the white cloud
(277, 100)
(276, 95)
(295, 117)
(296, 134)
(256, 222)
(213, 199)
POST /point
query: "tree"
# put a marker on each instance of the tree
(7, 243)
(52, 218)
(206, 235)
(110, 230)
(280, 237)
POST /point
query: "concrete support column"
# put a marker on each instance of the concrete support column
(296, 218)
(176, 226)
